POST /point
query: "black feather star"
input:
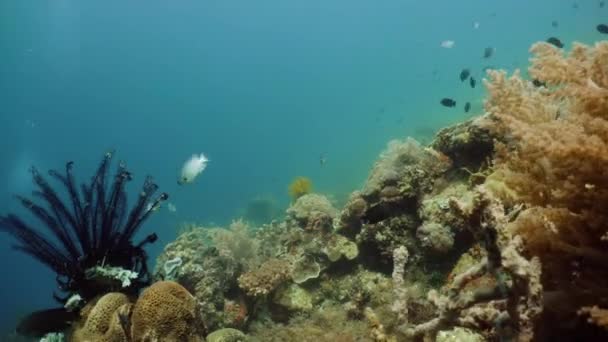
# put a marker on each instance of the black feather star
(92, 228)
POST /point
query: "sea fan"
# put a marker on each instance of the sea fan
(93, 227)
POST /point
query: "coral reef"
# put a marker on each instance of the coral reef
(166, 311)
(312, 212)
(552, 159)
(266, 278)
(226, 335)
(494, 231)
(208, 273)
(383, 216)
(512, 303)
(100, 319)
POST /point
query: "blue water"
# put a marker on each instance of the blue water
(262, 87)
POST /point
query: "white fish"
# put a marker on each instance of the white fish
(192, 168)
(447, 44)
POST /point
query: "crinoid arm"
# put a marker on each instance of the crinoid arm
(79, 229)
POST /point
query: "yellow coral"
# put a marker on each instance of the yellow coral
(299, 187)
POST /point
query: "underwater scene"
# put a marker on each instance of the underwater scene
(279, 170)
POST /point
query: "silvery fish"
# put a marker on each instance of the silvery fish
(192, 168)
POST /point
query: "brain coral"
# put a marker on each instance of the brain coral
(100, 319)
(165, 311)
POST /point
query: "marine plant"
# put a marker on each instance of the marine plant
(299, 187)
(86, 229)
(553, 159)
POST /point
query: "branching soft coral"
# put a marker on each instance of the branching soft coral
(553, 157)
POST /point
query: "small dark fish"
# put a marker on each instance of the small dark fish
(40, 323)
(575, 5)
(488, 52)
(554, 23)
(467, 107)
(538, 83)
(602, 28)
(447, 102)
(555, 41)
(464, 74)
(472, 82)
(602, 3)
(322, 159)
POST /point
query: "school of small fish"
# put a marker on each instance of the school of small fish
(489, 51)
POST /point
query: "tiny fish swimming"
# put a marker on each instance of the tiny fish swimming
(464, 74)
(192, 168)
(555, 42)
(447, 102)
(447, 44)
(488, 52)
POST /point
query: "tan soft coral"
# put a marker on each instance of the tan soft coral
(582, 76)
(165, 311)
(552, 156)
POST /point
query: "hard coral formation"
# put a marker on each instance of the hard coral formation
(166, 311)
(101, 320)
(210, 276)
(237, 243)
(226, 335)
(512, 304)
(435, 237)
(304, 269)
(383, 216)
(266, 278)
(313, 212)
